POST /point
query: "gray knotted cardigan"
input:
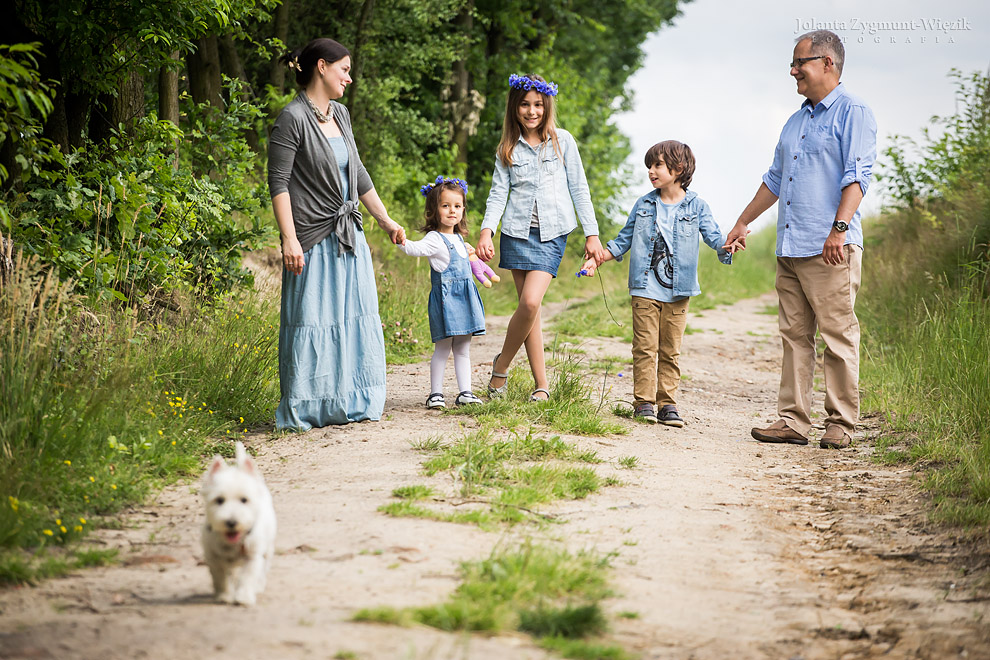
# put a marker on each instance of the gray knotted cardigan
(301, 162)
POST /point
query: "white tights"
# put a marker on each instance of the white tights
(462, 362)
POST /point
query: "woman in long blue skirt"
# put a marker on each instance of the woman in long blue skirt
(331, 349)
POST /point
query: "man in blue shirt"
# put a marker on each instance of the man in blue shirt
(821, 170)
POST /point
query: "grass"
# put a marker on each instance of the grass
(101, 404)
(497, 480)
(570, 409)
(548, 593)
(23, 567)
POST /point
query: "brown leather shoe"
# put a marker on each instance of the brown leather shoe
(779, 431)
(835, 438)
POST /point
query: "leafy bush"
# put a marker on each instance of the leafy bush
(153, 210)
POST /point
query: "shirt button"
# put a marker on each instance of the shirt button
(857, 159)
(790, 178)
(788, 203)
(802, 137)
(812, 116)
(787, 226)
(795, 158)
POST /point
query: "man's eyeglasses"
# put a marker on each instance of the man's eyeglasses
(801, 61)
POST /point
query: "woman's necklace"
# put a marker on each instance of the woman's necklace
(323, 118)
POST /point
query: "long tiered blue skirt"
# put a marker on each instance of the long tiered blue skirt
(331, 352)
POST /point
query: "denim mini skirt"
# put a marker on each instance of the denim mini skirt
(531, 253)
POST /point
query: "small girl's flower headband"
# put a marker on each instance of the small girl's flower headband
(425, 190)
(522, 82)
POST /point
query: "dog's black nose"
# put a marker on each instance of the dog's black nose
(231, 524)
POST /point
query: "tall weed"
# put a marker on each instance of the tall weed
(98, 404)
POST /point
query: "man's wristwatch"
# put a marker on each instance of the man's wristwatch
(839, 225)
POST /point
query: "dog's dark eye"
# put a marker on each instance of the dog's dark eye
(219, 500)
(243, 500)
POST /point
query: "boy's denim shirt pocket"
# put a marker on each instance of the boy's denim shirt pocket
(687, 222)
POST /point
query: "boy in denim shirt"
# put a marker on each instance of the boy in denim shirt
(663, 233)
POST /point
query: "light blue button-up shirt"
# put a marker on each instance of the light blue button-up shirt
(556, 182)
(822, 149)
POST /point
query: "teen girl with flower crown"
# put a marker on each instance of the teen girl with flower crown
(455, 308)
(540, 193)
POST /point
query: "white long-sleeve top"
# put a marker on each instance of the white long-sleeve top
(433, 248)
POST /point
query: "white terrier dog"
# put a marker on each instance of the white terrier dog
(239, 532)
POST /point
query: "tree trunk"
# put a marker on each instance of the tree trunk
(230, 62)
(461, 101)
(203, 65)
(168, 99)
(281, 30)
(367, 8)
(168, 92)
(111, 111)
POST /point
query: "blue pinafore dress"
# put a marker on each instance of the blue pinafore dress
(455, 306)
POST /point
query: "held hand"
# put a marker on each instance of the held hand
(395, 231)
(292, 256)
(593, 249)
(481, 271)
(486, 249)
(834, 248)
(736, 240)
(589, 267)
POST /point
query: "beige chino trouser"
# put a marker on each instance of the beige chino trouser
(814, 295)
(658, 329)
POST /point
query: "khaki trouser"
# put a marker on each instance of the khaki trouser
(658, 329)
(813, 294)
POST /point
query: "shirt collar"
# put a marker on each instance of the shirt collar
(654, 196)
(837, 91)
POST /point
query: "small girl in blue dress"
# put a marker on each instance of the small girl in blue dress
(455, 307)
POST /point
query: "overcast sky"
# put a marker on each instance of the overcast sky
(717, 79)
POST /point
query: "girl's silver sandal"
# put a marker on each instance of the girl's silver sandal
(533, 397)
(496, 392)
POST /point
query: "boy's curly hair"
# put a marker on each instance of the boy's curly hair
(432, 213)
(677, 156)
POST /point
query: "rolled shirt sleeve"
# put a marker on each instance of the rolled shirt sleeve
(859, 147)
(772, 177)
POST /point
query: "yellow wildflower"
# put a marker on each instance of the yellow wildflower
(82, 521)
(67, 462)
(47, 532)
(113, 486)
(92, 479)
(14, 502)
(62, 527)
(77, 528)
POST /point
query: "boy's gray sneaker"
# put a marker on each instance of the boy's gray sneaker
(644, 412)
(669, 417)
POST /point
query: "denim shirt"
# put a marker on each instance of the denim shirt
(822, 149)
(692, 221)
(558, 185)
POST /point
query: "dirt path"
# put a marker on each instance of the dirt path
(725, 547)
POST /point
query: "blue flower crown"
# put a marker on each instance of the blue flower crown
(425, 190)
(522, 82)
